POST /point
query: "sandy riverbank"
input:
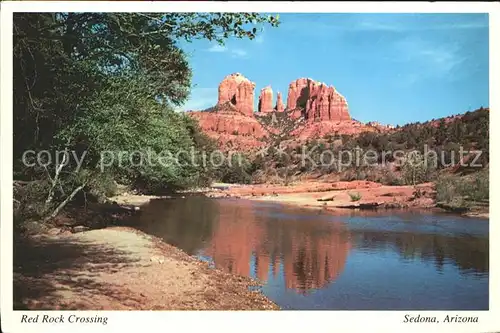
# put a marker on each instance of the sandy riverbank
(336, 195)
(119, 268)
(342, 197)
(134, 199)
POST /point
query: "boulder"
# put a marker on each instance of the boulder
(54, 231)
(79, 228)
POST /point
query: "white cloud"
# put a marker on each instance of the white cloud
(217, 48)
(413, 22)
(430, 60)
(237, 53)
(397, 23)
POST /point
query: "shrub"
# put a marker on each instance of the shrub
(355, 196)
(447, 188)
(29, 199)
(389, 177)
(238, 171)
(455, 189)
(416, 169)
(480, 189)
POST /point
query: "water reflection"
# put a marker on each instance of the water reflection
(311, 256)
(307, 250)
(239, 240)
(469, 254)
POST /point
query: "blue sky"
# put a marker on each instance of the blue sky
(392, 68)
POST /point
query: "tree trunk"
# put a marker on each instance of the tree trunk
(68, 199)
(55, 180)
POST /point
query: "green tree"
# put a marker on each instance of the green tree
(416, 168)
(94, 82)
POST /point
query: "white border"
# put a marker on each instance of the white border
(252, 6)
(220, 321)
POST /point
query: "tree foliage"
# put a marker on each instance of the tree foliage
(95, 82)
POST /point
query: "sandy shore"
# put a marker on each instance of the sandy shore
(342, 197)
(134, 199)
(337, 195)
(120, 268)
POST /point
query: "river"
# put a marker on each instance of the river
(310, 259)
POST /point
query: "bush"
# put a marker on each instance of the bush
(389, 177)
(236, 172)
(416, 169)
(447, 188)
(29, 199)
(355, 196)
(454, 189)
(103, 186)
(480, 189)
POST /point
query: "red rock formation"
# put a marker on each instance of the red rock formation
(296, 90)
(266, 100)
(320, 129)
(230, 128)
(233, 124)
(280, 107)
(239, 91)
(321, 102)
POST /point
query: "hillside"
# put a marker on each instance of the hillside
(314, 138)
(316, 119)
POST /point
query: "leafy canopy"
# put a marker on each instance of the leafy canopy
(94, 82)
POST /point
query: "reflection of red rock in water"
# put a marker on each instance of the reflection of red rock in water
(314, 263)
(232, 244)
(275, 266)
(310, 260)
(262, 263)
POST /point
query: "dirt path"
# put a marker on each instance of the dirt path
(122, 269)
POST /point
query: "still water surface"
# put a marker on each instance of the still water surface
(315, 260)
